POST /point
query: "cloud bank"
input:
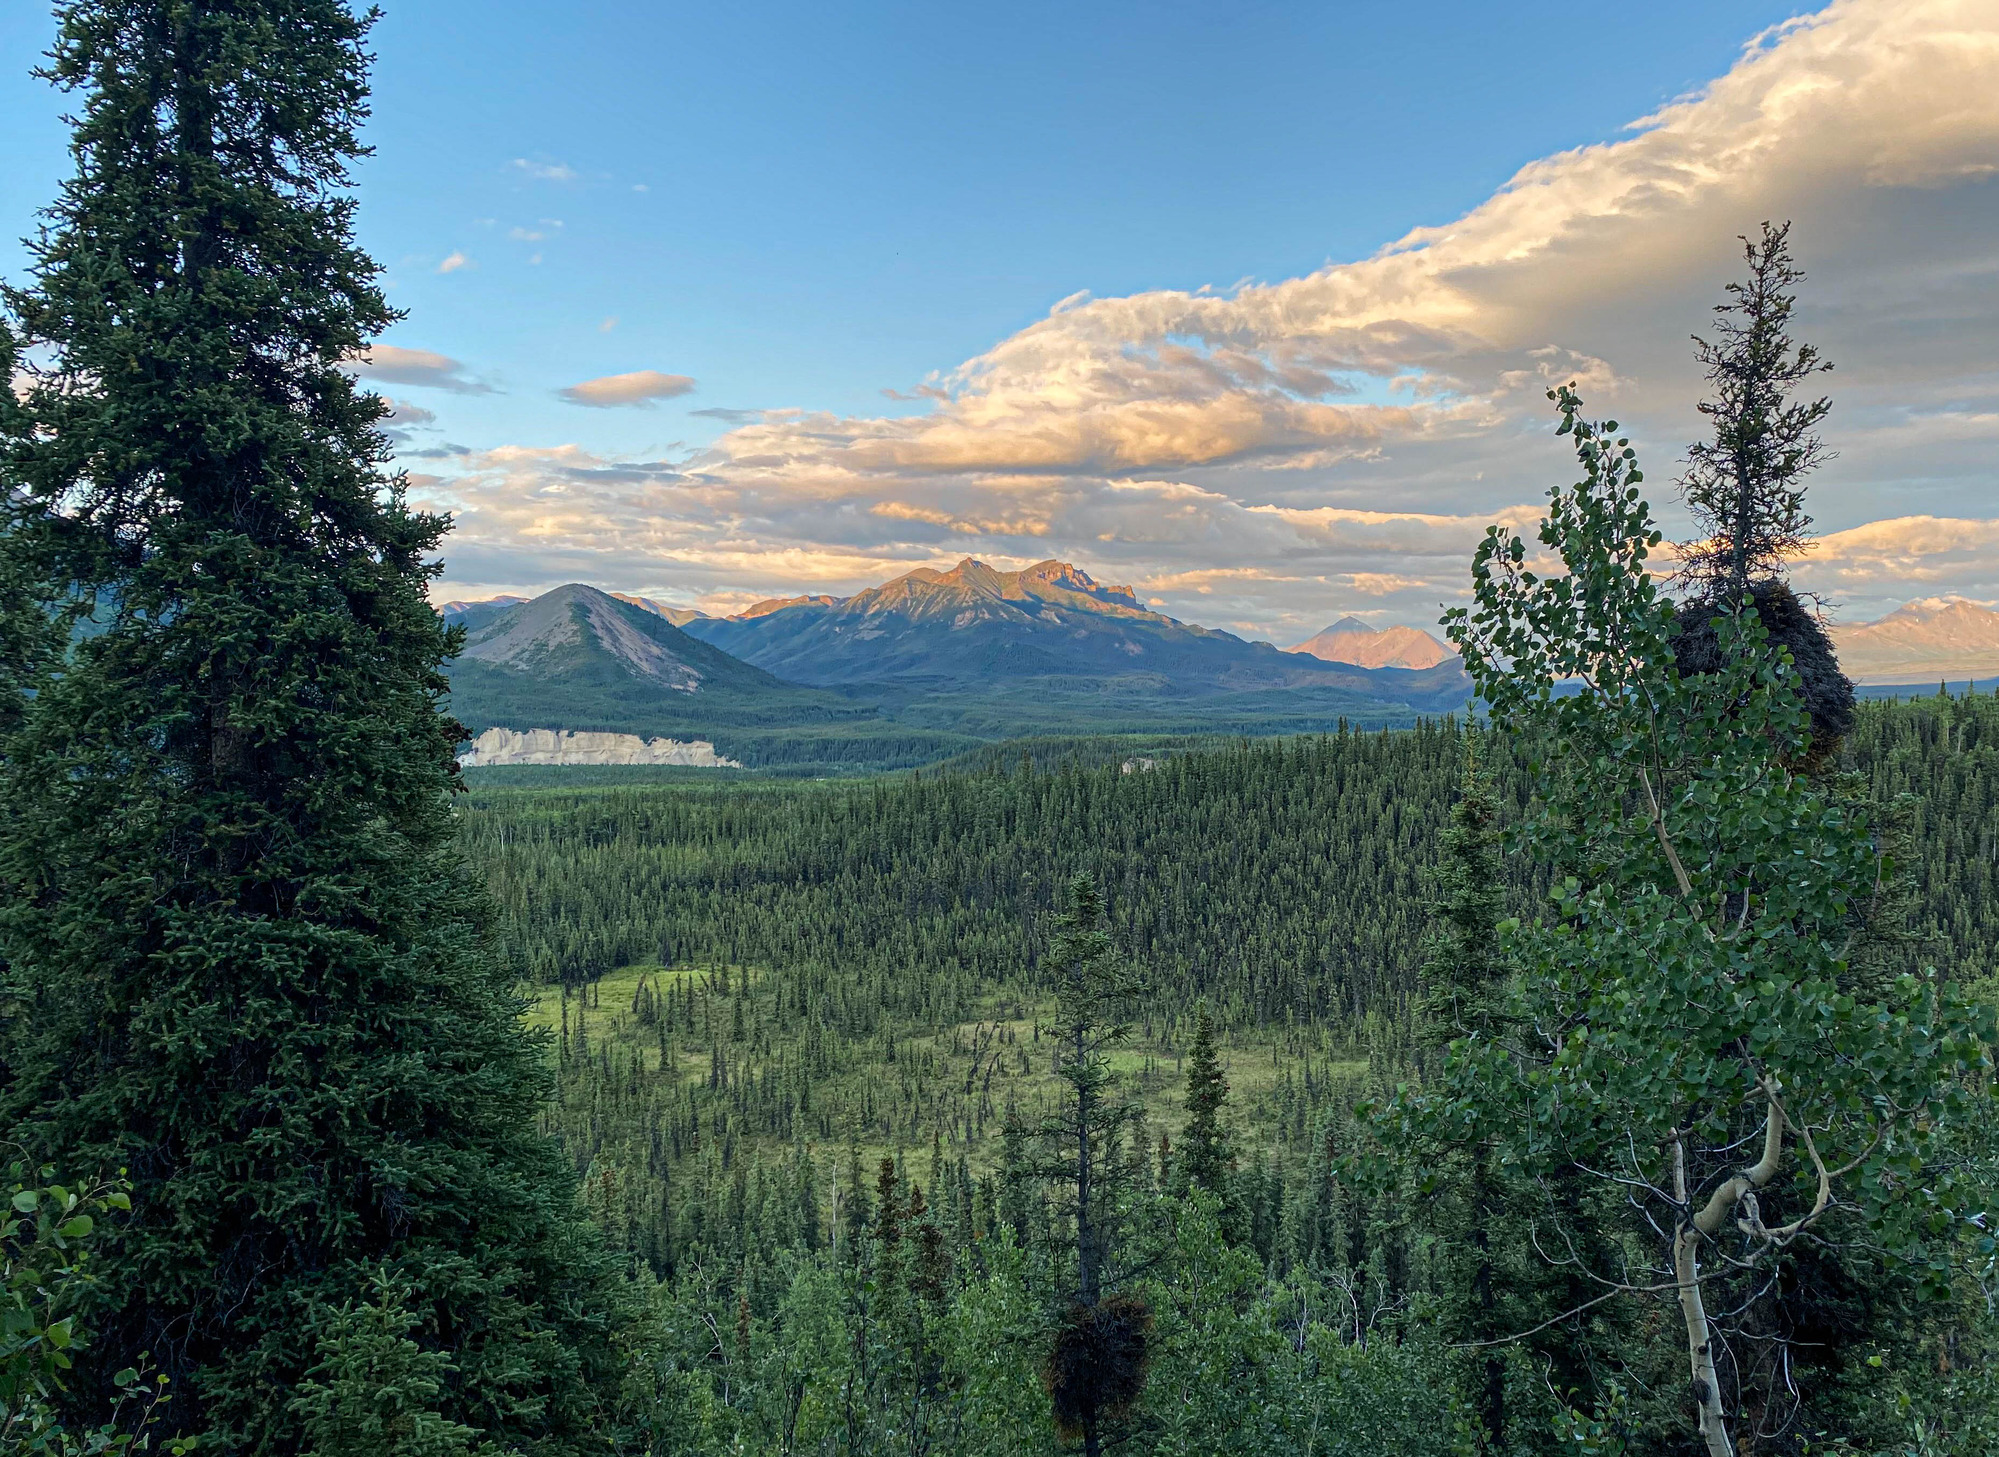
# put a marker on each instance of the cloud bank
(1270, 456)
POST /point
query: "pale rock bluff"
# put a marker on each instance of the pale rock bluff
(499, 746)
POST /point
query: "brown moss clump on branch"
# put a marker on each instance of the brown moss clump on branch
(1827, 692)
(1096, 1365)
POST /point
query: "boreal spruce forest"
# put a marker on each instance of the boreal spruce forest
(1603, 1069)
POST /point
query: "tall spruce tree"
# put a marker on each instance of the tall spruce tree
(1096, 1365)
(1079, 1144)
(245, 961)
(1462, 982)
(1744, 486)
(1205, 1158)
(1463, 964)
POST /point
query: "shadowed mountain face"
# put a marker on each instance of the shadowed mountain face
(1352, 641)
(975, 627)
(579, 634)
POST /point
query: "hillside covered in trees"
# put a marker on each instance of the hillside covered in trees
(759, 993)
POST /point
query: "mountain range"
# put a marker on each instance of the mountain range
(929, 664)
(974, 626)
(936, 663)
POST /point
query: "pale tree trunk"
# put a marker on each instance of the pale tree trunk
(1700, 1347)
(1692, 1228)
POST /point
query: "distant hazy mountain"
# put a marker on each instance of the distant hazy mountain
(1352, 641)
(474, 615)
(478, 613)
(974, 628)
(459, 609)
(1924, 642)
(778, 604)
(678, 616)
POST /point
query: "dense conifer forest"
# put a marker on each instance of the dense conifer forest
(758, 992)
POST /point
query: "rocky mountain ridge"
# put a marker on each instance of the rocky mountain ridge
(977, 626)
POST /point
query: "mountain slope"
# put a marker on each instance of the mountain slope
(578, 634)
(582, 660)
(975, 628)
(1922, 642)
(1352, 641)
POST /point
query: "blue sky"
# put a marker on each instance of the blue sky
(799, 208)
(842, 199)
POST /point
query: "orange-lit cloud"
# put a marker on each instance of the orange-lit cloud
(640, 387)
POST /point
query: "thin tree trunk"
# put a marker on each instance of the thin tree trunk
(1086, 1234)
(1693, 1227)
(1700, 1347)
(1492, 1414)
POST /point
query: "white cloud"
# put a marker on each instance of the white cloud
(1340, 439)
(453, 262)
(640, 387)
(396, 365)
(544, 171)
(1905, 557)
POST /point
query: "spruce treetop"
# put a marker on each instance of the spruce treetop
(1745, 485)
(1205, 1158)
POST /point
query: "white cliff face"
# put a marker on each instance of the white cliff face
(560, 746)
